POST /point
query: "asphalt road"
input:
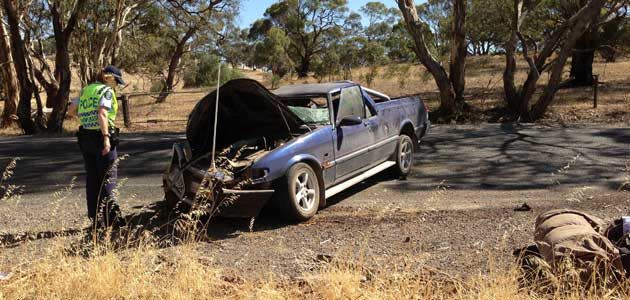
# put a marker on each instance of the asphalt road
(494, 157)
(467, 180)
(46, 164)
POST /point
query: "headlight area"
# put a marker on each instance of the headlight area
(255, 175)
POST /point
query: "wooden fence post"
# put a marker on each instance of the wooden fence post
(595, 84)
(125, 106)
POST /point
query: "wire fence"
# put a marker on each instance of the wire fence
(142, 111)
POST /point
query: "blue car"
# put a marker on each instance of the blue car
(291, 148)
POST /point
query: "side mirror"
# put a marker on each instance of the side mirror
(350, 121)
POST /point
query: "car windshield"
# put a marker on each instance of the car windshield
(313, 110)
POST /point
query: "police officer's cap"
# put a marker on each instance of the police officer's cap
(116, 72)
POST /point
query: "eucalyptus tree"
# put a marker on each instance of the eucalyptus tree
(235, 47)
(603, 35)
(380, 20)
(485, 26)
(190, 19)
(58, 19)
(15, 11)
(451, 84)
(550, 56)
(272, 53)
(309, 24)
(8, 77)
(101, 34)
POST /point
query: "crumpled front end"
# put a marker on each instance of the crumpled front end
(251, 122)
(234, 189)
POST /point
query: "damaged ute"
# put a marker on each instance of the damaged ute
(293, 147)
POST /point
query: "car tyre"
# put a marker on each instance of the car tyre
(298, 194)
(404, 156)
(170, 199)
(174, 203)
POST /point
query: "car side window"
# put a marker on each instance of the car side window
(351, 104)
(369, 110)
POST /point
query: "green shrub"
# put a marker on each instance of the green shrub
(403, 75)
(272, 80)
(371, 75)
(203, 72)
(157, 86)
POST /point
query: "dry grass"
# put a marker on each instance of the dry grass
(128, 265)
(483, 90)
(147, 115)
(11, 131)
(184, 273)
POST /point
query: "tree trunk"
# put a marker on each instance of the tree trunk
(58, 88)
(582, 60)
(588, 15)
(486, 48)
(101, 51)
(9, 83)
(174, 64)
(59, 99)
(18, 51)
(457, 67)
(518, 101)
(414, 26)
(305, 66)
(583, 54)
(509, 87)
(582, 67)
(116, 48)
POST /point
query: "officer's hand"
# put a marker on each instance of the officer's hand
(106, 146)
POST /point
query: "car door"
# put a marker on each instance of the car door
(351, 139)
(383, 131)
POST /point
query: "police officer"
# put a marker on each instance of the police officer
(98, 140)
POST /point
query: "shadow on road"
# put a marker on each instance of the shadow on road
(46, 163)
(12, 240)
(156, 224)
(517, 157)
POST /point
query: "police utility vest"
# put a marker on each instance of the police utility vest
(89, 104)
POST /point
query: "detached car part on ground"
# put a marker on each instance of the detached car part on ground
(296, 146)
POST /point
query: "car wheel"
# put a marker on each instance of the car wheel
(404, 156)
(174, 203)
(299, 193)
(170, 199)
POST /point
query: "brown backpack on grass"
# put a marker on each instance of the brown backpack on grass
(568, 235)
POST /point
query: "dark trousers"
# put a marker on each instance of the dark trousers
(100, 180)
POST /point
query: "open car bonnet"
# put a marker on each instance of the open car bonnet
(246, 110)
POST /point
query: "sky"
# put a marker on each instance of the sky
(251, 10)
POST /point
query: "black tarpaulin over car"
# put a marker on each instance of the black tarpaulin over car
(246, 110)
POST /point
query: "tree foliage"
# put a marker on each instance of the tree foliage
(205, 70)
(309, 24)
(170, 41)
(272, 52)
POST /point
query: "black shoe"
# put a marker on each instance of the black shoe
(120, 222)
